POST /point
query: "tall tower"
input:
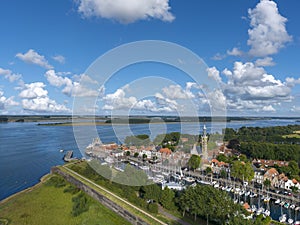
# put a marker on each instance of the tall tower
(204, 144)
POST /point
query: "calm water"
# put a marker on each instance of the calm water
(28, 151)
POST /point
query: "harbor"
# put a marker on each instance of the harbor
(280, 205)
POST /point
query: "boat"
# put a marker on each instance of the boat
(277, 201)
(253, 195)
(290, 221)
(297, 208)
(216, 185)
(267, 212)
(253, 208)
(282, 219)
(247, 193)
(282, 203)
(260, 211)
(297, 223)
(61, 150)
(292, 206)
(267, 199)
(286, 205)
(241, 192)
(228, 189)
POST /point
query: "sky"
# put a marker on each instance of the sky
(250, 49)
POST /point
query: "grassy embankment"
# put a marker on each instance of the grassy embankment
(47, 204)
(121, 202)
(81, 166)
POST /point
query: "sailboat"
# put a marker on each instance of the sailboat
(282, 218)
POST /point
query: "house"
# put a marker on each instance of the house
(218, 166)
(269, 163)
(165, 151)
(258, 176)
(272, 175)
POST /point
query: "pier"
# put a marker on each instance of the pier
(68, 156)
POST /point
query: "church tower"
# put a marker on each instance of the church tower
(204, 144)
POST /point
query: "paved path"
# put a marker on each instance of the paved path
(172, 217)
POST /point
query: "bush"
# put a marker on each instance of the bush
(71, 189)
(56, 181)
(153, 208)
(80, 204)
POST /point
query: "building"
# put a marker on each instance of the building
(273, 176)
(204, 144)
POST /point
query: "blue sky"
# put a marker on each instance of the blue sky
(251, 48)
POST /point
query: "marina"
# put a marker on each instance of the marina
(280, 206)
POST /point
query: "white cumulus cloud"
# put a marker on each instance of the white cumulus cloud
(267, 61)
(126, 11)
(6, 102)
(72, 88)
(268, 33)
(234, 52)
(9, 75)
(35, 98)
(59, 58)
(33, 57)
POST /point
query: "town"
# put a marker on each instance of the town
(261, 186)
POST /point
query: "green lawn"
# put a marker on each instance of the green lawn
(50, 205)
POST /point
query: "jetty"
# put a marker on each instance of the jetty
(68, 156)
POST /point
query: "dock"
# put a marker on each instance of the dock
(68, 156)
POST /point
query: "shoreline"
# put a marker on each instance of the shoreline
(41, 181)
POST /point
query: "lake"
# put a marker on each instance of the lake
(28, 151)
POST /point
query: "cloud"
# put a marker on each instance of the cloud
(6, 102)
(250, 87)
(176, 92)
(267, 61)
(214, 73)
(118, 100)
(295, 109)
(291, 82)
(268, 108)
(9, 75)
(33, 57)
(218, 57)
(73, 88)
(35, 98)
(268, 32)
(59, 58)
(234, 52)
(34, 90)
(126, 11)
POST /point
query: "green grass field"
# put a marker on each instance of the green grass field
(50, 205)
(294, 135)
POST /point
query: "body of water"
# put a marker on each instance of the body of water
(28, 151)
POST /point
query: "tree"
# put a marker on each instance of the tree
(208, 170)
(194, 162)
(167, 198)
(223, 174)
(127, 153)
(136, 154)
(222, 158)
(242, 170)
(153, 207)
(144, 156)
(206, 201)
(267, 183)
(151, 192)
